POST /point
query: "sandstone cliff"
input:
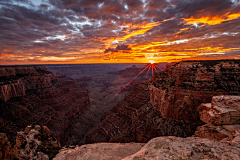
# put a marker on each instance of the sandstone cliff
(32, 95)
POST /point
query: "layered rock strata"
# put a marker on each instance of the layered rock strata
(16, 80)
(222, 116)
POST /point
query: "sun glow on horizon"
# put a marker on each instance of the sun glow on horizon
(152, 62)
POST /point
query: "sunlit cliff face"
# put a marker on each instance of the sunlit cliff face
(118, 31)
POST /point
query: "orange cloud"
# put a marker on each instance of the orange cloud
(149, 45)
(140, 29)
(213, 20)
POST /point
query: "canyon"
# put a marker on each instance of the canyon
(69, 107)
(36, 142)
(190, 104)
(167, 103)
(103, 81)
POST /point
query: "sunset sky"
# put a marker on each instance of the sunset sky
(118, 31)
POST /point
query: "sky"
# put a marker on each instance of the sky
(118, 31)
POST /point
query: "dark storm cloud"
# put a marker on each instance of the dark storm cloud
(134, 4)
(67, 4)
(157, 4)
(199, 7)
(121, 47)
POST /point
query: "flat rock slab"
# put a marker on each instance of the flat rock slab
(169, 148)
(165, 148)
(100, 151)
(231, 127)
(212, 132)
(216, 115)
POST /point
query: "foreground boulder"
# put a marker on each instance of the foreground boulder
(222, 116)
(221, 113)
(166, 148)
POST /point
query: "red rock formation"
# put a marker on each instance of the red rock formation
(191, 83)
(40, 97)
(222, 116)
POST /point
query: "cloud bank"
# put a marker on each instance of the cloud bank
(102, 31)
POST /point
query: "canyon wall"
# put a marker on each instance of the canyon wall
(31, 94)
(186, 85)
(15, 81)
(134, 119)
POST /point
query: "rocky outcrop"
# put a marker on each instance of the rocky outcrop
(166, 148)
(224, 110)
(222, 116)
(178, 92)
(35, 142)
(135, 120)
(5, 148)
(187, 148)
(32, 95)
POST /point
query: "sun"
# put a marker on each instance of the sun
(152, 62)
